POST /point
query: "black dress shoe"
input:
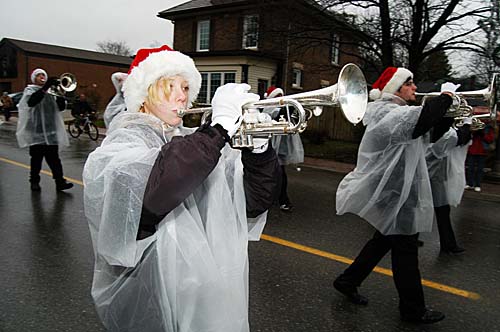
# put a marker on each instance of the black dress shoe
(351, 293)
(63, 185)
(429, 317)
(35, 187)
(453, 251)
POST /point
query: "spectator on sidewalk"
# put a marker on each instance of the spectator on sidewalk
(478, 150)
(7, 105)
(41, 128)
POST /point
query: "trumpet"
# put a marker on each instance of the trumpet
(67, 83)
(460, 108)
(349, 94)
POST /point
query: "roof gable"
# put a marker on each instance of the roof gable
(60, 51)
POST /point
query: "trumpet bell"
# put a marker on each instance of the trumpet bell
(67, 82)
(352, 93)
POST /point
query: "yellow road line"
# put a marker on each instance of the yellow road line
(387, 272)
(317, 252)
(42, 171)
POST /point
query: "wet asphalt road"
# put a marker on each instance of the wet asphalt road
(46, 259)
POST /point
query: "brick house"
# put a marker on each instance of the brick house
(292, 44)
(93, 70)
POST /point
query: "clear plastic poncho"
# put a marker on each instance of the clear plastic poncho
(446, 163)
(289, 148)
(41, 124)
(192, 274)
(390, 185)
(117, 104)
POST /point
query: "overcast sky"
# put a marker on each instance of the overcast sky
(81, 24)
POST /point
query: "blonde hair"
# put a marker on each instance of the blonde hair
(161, 85)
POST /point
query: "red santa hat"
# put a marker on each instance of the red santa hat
(151, 64)
(390, 81)
(36, 72)
(272, 92)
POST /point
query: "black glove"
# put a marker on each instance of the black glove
(51, 81)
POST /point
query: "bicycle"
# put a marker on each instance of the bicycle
(88, 127)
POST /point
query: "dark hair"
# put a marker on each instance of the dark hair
(406, 81)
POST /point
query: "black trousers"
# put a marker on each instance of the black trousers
(51, 155)
(283, 199)
(404, 255)
(446, 235)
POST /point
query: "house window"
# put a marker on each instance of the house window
(262, 86)
(297, 78)
(250, 31)
(210, 82)
(203, 36)
(335, 49)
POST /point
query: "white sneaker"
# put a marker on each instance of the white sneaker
(467, 187)
(477, 189)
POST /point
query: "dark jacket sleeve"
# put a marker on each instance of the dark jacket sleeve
(464, 135)
(431, 114)
(37, 97)
(181, 166)
(262, 175)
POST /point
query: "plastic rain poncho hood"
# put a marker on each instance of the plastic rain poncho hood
(446, 163)
(117, 104)
(41, 124)
(390, 185)
(192, 274)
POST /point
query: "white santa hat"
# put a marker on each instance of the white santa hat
(36, 72)
(272, 92)
(390, 81)
(151, 64)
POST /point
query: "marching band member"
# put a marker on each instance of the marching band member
(288, 147)
(390, 188)
(168, 205)
(446, 162)
(41, 128)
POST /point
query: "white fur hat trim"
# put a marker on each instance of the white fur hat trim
(274, 93)
(155, 66)
(36, 72)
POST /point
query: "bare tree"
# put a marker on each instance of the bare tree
(114, 47)
(406, 32)
(486, 62)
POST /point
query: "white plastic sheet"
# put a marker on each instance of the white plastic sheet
(446, 169)
(192, 274)
(41, 124)
(390, 186)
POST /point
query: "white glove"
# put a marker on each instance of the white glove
(467, 121)
(449, 87)
(260, 145)
(227, 105)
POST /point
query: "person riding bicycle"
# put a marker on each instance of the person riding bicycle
(81, 109)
